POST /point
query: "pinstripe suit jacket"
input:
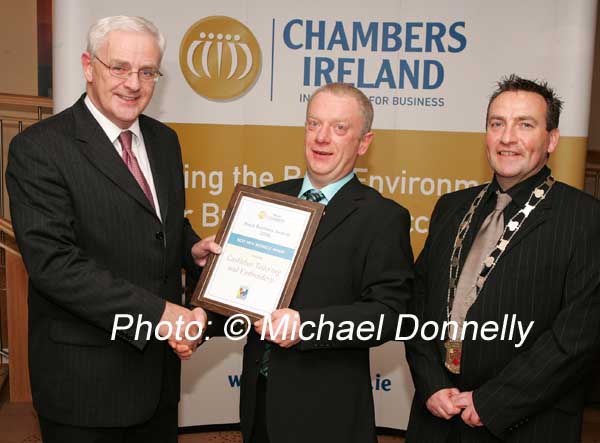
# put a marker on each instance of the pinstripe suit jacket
(94, 247)
(549, 274)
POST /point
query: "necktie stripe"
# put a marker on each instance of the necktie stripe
(313, 195)
(133, 165)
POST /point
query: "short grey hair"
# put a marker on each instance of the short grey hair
(347, 90)
(100, 30)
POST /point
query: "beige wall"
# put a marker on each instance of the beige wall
(18, 46)
(594, 131)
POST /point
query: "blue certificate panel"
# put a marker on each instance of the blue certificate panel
(261, 246)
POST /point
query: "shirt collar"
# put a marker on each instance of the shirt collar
(111, 130)
(520, 192)
(328, 191)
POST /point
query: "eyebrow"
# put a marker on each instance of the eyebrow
(118, 60)
(124, 62)
(519, 118)
(339, 120)
(526, 117)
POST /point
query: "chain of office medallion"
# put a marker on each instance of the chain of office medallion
(511, 228)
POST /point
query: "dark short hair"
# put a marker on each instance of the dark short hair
(515, 83)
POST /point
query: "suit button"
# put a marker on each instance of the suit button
(159, 235)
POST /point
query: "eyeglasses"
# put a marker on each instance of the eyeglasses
(123, 71)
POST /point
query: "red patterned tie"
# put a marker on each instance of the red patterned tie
(133, 165)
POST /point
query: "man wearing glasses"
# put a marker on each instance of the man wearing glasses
(97, 204)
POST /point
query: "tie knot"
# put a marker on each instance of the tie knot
(125, 140)
(313, 195)
(502, 201)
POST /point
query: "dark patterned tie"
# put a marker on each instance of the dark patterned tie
(133, 165)
(312, 195)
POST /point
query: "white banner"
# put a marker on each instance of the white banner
(450, 52)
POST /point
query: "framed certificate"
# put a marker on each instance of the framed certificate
(265, 238)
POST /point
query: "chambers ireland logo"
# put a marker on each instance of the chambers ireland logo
(220, 58)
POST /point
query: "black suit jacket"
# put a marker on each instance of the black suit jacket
(549, 274)
(94, 247)
(358, 268)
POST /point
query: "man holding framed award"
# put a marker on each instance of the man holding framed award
(358, 272)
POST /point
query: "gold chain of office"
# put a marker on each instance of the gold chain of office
(511, 228)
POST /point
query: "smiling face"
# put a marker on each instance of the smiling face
(518, 142)
(121, 100)
(334, 137)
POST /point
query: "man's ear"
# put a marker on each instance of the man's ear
(365, 142)
(86, 64)
(553, 143)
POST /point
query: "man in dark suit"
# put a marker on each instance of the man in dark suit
(541, 265)
(97, 203)
(359, 267)
(358, 270)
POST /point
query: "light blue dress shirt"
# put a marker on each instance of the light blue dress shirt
(328, 191)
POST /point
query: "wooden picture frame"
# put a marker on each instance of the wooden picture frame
(265, 237)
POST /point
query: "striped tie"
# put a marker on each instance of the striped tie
(313, 195)
(133, 165)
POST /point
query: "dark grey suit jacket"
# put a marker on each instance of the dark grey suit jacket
(358, 268)
(94, 247)
(549, 274)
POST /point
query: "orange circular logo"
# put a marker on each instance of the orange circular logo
(220, 58)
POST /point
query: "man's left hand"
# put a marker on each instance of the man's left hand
(287, 336)
(202, 249)
(469, 415)
(184, 350)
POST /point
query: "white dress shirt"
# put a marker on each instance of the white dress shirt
(137, 145)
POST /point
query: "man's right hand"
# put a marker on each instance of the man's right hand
(185, 350)
(441, 405)
(179, 317)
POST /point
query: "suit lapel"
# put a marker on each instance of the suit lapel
(538, 217)
(451, 221)
(344, 203)
(158, 166)
(96, 146)
(441, 244)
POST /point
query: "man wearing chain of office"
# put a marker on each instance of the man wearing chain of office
(524, 244)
